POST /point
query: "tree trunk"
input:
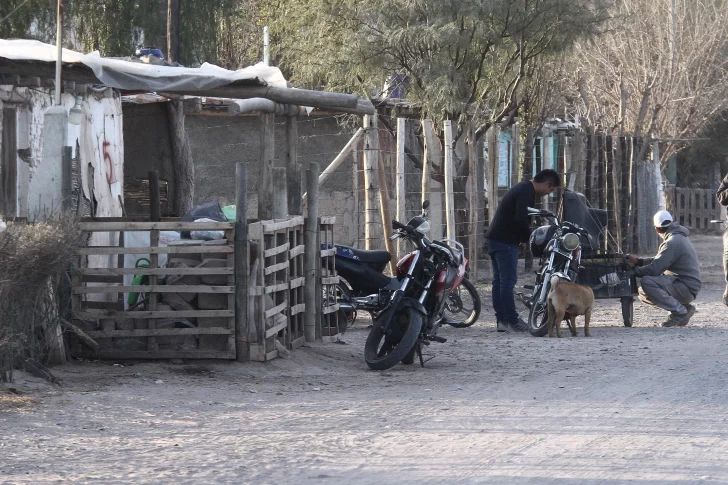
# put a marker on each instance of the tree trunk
(184, 168)
(173, 28)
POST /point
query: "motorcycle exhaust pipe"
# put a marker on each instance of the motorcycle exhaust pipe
(347, 307)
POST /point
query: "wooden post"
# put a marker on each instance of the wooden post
(265, 188)
(280, 197)
(431, 148)
(515, 152)
(493, 169)
(372, 232)
(173, 30)
(312, 253)
(66, 179)
(449, 173)
(155, 215)
(612, 211)
(386, 213)
(401, 181)
(473, 210)
(293, 167)
(242, 263)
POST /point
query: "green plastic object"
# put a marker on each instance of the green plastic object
(138, 280)
(230, 212)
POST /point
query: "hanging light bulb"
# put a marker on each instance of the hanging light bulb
(75, 113)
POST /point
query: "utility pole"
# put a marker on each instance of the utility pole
(59, 55)
(173, 28)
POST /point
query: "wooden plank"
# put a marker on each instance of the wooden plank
(331, 280)
(154, 289)
(160, 226)
(101, 305)
(257, 353)
(298, 342)
(101, 250)
(328, 252)
(449, 174)
(298, 282)
(330, 309)
(270, 226)
(327, 221)
(277, 250)
(166, 354)
(255, 290)
(296, 309)
(432, 152)
(273, 288)
(158, 332)
(121, 314)
(275, 310)
(297, 251)
(271, 355)
(102, 279)
(276, 267)
(156, 271)
(275, 329)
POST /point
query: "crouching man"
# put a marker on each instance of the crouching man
(670, 280)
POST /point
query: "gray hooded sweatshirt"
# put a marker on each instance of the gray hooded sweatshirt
(676, 256)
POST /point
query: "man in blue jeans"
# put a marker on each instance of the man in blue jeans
(510, 227)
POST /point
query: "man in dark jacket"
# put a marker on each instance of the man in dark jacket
(510, 227)
(723, 200)
(670, 280)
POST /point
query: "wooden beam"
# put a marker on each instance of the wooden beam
(372, 232)
(311, 255)
(267, 149)
(449, 174)
(242, 270)
(385, 212)
(432, 153)
(293, 167)
(473, 202)
(401, 188)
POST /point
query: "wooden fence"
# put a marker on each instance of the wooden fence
(191, 315)
(694, 208)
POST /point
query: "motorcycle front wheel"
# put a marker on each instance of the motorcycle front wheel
(383, 351)
(538, 316)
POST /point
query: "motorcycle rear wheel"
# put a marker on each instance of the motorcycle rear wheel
(384, 351)
(463, 306)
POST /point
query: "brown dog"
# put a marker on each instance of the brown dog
(566, 297)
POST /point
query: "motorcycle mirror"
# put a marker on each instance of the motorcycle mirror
(426, 205)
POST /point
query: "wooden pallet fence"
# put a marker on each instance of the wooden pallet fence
(185, 309)
(694, 208)
(329, 281)
(272, 283)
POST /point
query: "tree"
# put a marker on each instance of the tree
(661, 69)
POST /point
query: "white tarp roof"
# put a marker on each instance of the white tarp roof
(122, 74)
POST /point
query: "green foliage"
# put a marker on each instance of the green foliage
(464, 58)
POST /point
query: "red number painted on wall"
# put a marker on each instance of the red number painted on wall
(109, 163)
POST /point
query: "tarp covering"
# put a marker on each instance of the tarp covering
(128, 75)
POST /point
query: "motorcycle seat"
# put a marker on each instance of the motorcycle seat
(368, 257)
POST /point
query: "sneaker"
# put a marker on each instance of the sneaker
(501, 326)
(725, 296)
(520, 325)
(680, 319)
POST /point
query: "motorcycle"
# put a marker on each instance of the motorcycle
(363, 286)
(413, 303)
(559, 245)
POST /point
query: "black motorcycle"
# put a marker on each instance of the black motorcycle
(364, 286)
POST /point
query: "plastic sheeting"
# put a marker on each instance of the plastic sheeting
(123, 74)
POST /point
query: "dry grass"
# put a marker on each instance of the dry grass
(11, 401)
(34, 259)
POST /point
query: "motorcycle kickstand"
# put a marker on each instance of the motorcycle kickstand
(419, 354)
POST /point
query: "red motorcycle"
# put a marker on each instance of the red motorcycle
(417, 299)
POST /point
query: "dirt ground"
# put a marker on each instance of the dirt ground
(644, 405)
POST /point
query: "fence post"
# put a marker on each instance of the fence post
(66, 178)
(427, 130)
(311, 251)
(372, 234)
(155, 215)
(267, 148)
(493, 169)
(473, 210)
(401, 181)
(293, 167)
(449, 168)
(280, 193)
(242, 262)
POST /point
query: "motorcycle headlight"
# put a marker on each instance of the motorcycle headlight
(423, 228)
(570, 242)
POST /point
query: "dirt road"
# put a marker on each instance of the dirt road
(637, 405)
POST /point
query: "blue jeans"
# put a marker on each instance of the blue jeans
(504, 258)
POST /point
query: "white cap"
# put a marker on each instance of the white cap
(662, 219)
